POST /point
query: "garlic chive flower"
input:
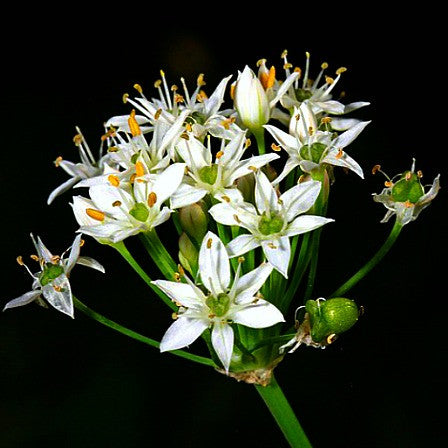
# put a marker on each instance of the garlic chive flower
(115, 211)
(52, 280)
(272, 221)
(311, 148)
(216, 304)
(215, 178)
(405, 196)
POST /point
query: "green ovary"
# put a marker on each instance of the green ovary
(219, 305)
(209, 174)
(407, 189)
(303, 94)
(270, 225)
(50, 273)
(313, 153)
(139, 212)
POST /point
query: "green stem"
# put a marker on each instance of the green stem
(384, 249)
(259, 137)
(313, 267)
(137, 336)
(123, 251)
(283, 414)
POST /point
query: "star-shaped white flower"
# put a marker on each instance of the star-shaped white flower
(272, 221)
(215, 178)
(220, 305)
(115, 211)
(311, 148)
(52, 281)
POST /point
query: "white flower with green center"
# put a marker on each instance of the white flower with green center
(114, 213)
(215, 178)
(406, 196)
(272, 221)
(310, 148)
(51, 281)
(220, 305)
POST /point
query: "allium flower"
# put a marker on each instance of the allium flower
(220, 305)
(115, 211)
(406, 197)
(272, 221)
(51, 281)
(311, 148)
(215, 178)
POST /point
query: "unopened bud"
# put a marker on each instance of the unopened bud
(193, 220)
(246, 185)
(188, 254)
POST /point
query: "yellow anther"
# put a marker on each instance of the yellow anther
(275, 147)
(271, 78)
(152, 199)
(325, 120)
(139, 89)
(19, 260)
(95, 214)
(272, 246)
(181, 270)
(174, 316)
(342, 94)
(55, 259)
(329, 80)
(157, 114)
(177, 277)
(81, 243)
(284, 54)
(202, 95)
(297, 117)
(235, 217)
(34, 257)
(408, 176)
(188, 127)
(408, 204)
(287, 65)
(211, 315)
(133, 125)
(252, 168)
(298, 70)
(247, 143)
(241, 259)
(232, 91)
(219, 154)
(340, 153)
(185, 136)
(226, 198)
(209, 243)
(302, 179)
(77, 139)
(331, 338)
(341, 70)
(388, 184)
(307, 54)
(112, 149)
(57, 288)
(419, 174)
(200, 80)
(110, 133)
(139, 169)
(113, 180)
(162, 73)
(58, 161)
(376, 168)
(157, 83)
(324, 65)
(174, 88)
(311, 130)
(125, 97)
(178, 98)
(116, 204)
(132, 178)
(225, 124)
(261, 62)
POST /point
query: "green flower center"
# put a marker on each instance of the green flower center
(209, 174)
(51, 272)
(314, 152)
(219, 305)
(303, 94)
(139, 212)
(197, 117)
(270, 225)
(408, 188)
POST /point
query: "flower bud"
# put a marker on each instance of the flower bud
(188, 254)
(331, 317)
(246, 185)
(194, 220)
(251, 101)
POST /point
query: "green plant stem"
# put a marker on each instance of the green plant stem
(259, 137)
(313, 266)
(283, 414)
(137, 336)
(123, 251)
(384, 249)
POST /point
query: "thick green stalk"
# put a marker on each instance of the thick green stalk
(137, 336)
(123, 251)
(384, 249)
(259, 137)
(283, 414)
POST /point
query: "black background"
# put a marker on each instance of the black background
(77, 384)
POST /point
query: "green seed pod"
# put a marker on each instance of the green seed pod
(331, 317)
(194, 220)
(188, 254)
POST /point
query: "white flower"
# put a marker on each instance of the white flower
(115, 211)
(217, 179)
(253, 99)
(311, 148)
(272, 221)
(220, 305)
(52, 280)
(406, 197)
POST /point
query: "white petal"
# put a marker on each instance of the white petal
(233, 194)
(42, 250)
(354, 106)
(333, 158)
(61, 297)
(347, 137)
(222, 341)
(194, 153)
(261, 314)
(233, 215)
(74, 254)
(186, 195)
(113, 231)
(213, 103)
(168, 182)
(104, 196)
(265, 195)
(342, 124)
(290, 164)
(24, 299)
(331, 107)
(91, 263)
(80, 205)
(251, 282)
(161, 217)
(182, 293)
(278, 252)
(214, 265)
(234, 149)
(248, 165)
(286, 141)
(287, 83)
(62, 188)
(182, 332)
(242, 244)
(306, 223)
(300, 198)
